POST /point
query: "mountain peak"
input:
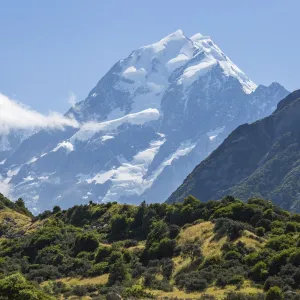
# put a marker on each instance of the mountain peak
(178, 34)
(196, 37)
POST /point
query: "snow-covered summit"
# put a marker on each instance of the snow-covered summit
(154, 64)
(139, 81)
(146, 124)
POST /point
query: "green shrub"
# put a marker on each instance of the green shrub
(260, 231)
(236, 279)
(295, 258)
(273, 281)
(87, 242)
(16, 287)
(259, 271)
(137, 292)
(274, 293)
(103, 253)
(280, 242)
(231, 255)
(242, 296)
(98, 269)
(118, 272)
(291, 227)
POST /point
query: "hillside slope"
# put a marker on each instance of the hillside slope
(216, 250)
(261, 159)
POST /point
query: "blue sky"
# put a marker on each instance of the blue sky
(51, 49)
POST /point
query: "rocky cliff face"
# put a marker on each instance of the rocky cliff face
(261, 159)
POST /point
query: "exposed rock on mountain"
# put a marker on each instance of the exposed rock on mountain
(261, 159)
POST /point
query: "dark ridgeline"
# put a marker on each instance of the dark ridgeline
(259, 159)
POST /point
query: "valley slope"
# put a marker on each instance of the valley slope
(261, 159)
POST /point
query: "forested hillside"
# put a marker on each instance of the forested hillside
(216, 250)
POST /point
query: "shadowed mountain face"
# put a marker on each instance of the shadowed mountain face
(144, 127)
(260, 159)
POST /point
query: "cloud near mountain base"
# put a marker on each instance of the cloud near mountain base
(16, 116)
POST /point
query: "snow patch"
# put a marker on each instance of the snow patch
(184, 149)
(106, 138)
(28, 178)
(69, 147)
(214, 133)
(32, 160)
(88, 130)
(128, 179)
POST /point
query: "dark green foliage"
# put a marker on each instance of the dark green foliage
(138, 246)
(118, 272)
(192, 250)
(230, 273)
(233, 229)
(295, 258)
(260, 231)
(86, 242)
(291, 227)
(102, 253)
(16, 287)
(259, 271)
(274, 293)
(173, 231)
(167, 268)
(56, 209)
(280, 243)
(273, 281)
(242, 296)
(192, 282)
(137, 292)
(99, 269)
(118, 225)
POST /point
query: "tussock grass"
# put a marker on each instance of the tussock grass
(102, 279)
(219, 293)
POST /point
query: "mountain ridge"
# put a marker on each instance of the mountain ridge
(258, 159)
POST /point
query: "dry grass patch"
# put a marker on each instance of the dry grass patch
(79, 298)
(20, 219)
(217, 292)
(251, 240)
(204, 231)
(102, 279)
(180, 263)
(140, 246)
(16, 222)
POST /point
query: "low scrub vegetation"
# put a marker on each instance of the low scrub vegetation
(216, 250)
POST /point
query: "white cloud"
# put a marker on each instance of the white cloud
(14, 115)
(5, 187)
(72, 99)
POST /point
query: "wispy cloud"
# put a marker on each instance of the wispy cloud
(72, 99)
(5, 187)
(14, 115)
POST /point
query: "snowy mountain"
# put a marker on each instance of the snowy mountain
(146, 124)
(12, 140)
